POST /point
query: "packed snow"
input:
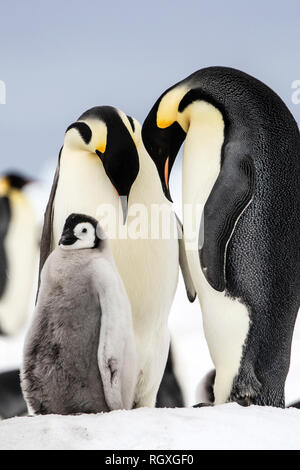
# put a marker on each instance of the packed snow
(222, 427)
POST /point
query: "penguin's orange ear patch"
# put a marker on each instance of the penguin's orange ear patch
(167, 172)
(164, 123)
(101, 147)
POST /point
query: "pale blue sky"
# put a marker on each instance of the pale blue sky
(60, 58)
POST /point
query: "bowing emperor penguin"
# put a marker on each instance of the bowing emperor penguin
(80, 354)
(241, 163)
(18, 252)
(103, 163)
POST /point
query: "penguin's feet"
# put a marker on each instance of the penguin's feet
(243, 398)
(201, 405)
(243, 401)
(245, 389)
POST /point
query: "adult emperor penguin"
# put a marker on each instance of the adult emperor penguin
(80, 353)
(241, 162)
(102, 162)
(18, 252)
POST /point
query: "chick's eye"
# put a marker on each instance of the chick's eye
(84, 230)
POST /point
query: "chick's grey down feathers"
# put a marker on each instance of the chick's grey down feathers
(61, 364)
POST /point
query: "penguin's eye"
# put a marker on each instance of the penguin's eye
(84, 230)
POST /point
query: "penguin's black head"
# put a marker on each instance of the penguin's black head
(163, 146)
(81, 231)
(108, 133)
(163, 135)
(15, 180)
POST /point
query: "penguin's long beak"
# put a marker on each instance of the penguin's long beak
(31, 180)
(162, 144)
(163, 166)
(164, 170)
(124, 204)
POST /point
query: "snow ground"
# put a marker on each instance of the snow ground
(222, 427)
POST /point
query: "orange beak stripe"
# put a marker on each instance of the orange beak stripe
(167, 173)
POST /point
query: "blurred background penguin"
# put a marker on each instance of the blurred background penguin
(19, 245)
(18, 252)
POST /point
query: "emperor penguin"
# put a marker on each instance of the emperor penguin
(18, 252)
(80, 353)
(103, 165)
(241, 220)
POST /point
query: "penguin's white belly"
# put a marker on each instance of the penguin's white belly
(148, 268)
(150, 273)
(226, 325)
(225, 320)
(78, 189)
(21, 248)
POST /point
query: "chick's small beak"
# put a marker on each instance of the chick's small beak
(67, 238)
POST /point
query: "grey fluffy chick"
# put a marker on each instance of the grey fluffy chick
(80, 353)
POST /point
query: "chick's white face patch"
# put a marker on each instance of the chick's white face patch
(86, 237)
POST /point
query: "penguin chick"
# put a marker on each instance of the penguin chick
(80, 354)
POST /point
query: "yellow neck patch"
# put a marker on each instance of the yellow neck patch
(4, 186)
(168, 107)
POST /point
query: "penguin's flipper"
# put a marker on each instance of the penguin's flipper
(116, 351)
(46, 239)
(5, 214)
(183, 262)
(231, 194)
